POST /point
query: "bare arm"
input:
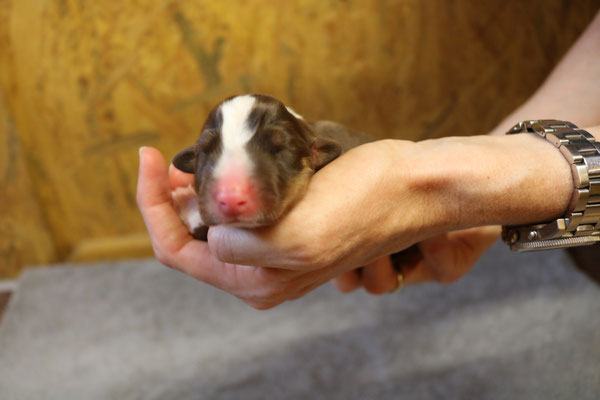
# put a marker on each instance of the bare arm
(572, 91)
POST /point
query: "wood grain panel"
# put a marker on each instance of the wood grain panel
(24, 234)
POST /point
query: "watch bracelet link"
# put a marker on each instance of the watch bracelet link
(581, 225)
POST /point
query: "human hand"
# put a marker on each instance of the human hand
(373, 201)
(175, 247)
(443, 258)
(358, 209)
(454, 192)
(301, 252)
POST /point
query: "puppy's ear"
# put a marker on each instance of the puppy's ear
(185, 160)
(324, 151)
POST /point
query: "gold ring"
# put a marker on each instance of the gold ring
(400, 279)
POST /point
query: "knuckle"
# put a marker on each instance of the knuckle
(340, 286)
(275, 292)
(448, 277)
(163, 259)
(308, 252)
(270, 290)
(313, 257)
(162, 256)
(223, 250)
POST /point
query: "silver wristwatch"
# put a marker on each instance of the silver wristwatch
(581, 225)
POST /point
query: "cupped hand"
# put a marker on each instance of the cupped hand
(339, 225)
(356, 211)
(360, 208)
(175, 247)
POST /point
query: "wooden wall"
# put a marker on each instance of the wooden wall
(83, 84)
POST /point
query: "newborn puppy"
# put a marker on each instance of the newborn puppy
(252, 162)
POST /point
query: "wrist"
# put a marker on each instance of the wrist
(487, 180)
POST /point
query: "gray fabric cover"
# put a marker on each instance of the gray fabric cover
(519, 326)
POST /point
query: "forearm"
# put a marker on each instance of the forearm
(572, 91)
(522, 179)
(487, 180)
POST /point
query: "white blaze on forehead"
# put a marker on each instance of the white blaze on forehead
(235, 133)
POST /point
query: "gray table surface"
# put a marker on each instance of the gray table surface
(519, 326)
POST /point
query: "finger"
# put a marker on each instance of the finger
(379, 277)
(167, 231)
(250, 247)
(452, 258)
(472, 243)
(196, 260)
(347, 281)
(447, 257)
(179, 178)
(416, 271)
(409, 262)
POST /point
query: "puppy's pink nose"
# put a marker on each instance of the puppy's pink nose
(235, 198)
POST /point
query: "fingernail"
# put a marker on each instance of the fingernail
(141, 150)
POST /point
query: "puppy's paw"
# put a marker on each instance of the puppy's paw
(185, 202)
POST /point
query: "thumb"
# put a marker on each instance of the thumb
(252, 247)
(153, 180)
